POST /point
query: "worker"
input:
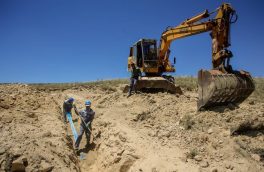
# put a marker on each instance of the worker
(67, 107)
(135, 74)
(87, 116)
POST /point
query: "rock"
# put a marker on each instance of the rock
(154, 170)
(226, 133)
(19, 164)
(202, 149)
(122, 138)
(3, 165)
(25, 161)
(252, 102)
(214, 170)
(228, 119)
(4, 106)
(210, 131)
(256, 157)
(229, 166)
(31, 115)
(2, 151)
(151, 101)
(7, 119)
(119, 153)
(141, 116)
(152, 133)
(47, 134)
(198, 158)
(17, 151)
(182, 128)
(204, 164)
(167, 134)
(45, 166)
(184, 159)
(134, 156)
(117, 159)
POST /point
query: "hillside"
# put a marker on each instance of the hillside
(146, 132)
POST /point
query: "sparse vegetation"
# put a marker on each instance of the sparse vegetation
(188, 83)
(106, 87)
(187, 122)
(192, 153)
(103, 84)
(258, 94)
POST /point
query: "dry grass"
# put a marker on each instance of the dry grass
(187, 83)
(109, 85)
(258, 94)
(192, 153)
(187, 122)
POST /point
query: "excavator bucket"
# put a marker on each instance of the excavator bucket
(217, 88)
(155, 83)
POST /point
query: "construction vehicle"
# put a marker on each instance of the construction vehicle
(221, 85)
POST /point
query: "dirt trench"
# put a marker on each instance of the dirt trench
(122, 145)
(145, 132)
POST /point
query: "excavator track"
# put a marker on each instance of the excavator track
(155, 83)
(217, 88)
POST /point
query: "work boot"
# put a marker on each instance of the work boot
(76, 148)
(87, 145)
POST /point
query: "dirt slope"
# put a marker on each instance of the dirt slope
(145, 132)
(33, 138)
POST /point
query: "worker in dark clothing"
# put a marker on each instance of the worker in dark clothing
(87, 117)
(67, 107)
(135, 74)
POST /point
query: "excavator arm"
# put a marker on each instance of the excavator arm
(219, 27)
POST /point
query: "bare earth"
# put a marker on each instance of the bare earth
(146, 132)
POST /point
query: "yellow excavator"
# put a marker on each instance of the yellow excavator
(219, 86)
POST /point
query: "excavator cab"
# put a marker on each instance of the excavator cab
(145, 56)
(144, 53)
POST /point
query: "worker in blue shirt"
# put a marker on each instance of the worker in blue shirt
(87, 116)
